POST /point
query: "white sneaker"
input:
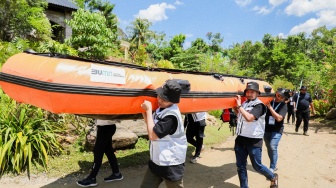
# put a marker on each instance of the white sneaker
(194, 159)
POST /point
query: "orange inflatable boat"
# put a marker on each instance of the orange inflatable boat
(65, 84)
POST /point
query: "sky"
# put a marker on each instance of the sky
(236, 20)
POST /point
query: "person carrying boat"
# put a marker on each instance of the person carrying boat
(250, 132)
(195, 124)
(103, 144)
(276, 112)
(168, 142)
(290, 107)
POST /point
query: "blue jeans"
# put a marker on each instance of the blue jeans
(242, 151)
(272, 140)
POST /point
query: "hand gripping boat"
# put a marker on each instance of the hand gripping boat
(112, 90)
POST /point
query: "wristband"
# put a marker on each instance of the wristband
(238, 106)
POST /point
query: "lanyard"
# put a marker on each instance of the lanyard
(276, 106)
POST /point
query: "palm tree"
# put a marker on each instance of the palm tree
(139, 32)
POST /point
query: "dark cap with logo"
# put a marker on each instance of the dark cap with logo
(170, 91)
(252, 86)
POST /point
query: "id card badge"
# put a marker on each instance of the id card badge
(271, 120)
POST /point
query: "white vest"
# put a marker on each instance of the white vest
(171, 149)
(198, 116)
(253, 129)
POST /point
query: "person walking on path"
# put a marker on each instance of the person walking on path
(103, 144)
(290, 107)
(302, 101)
(168, 142)
(250, 133)
(274, 120)
(195, 124)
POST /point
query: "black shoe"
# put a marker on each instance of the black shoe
(296, 129)
(113, 178)
(87, 182)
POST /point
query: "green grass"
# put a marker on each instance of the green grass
(76, 162)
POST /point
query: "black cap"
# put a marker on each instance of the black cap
(303, 88)
(170, 91)
(282, 92)
(252, 86)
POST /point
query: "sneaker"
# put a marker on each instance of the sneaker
(194, 159)
(87, 182)
(274, 181)
(296, 129)
(113, 177)
(305, 133)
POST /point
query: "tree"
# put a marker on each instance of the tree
(24, 19)
(139, 32)
(176, 44)
(106, 9)
(215, 41)
(90, 32)
(200, 45)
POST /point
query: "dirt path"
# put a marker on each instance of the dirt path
(304, 162)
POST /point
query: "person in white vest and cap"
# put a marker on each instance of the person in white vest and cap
(195, 124)
(168, 143)
(250, 132)
(103, 145)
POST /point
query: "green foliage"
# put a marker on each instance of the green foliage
(331, 96)
(106, 9)
(176, 44)
(216, 63)
(216, 113)
(54, 47)
(165, 64)
(8, 49)
(26, 137)
(141, 56)
(200, 45)
(280, 82)
(90, 32)
(24, 19)
(187, 60)
(139, 33)
(215, 41)
(321, 107)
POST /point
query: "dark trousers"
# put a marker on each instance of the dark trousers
(195, 131)
(302, 115)
(104, 145)
(289, 114)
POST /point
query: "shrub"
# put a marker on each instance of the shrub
(216, 113)
(321, 107)
(26, 137)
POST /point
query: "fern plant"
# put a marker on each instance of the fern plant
(26, 137)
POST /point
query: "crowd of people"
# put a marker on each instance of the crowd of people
(256, 123)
